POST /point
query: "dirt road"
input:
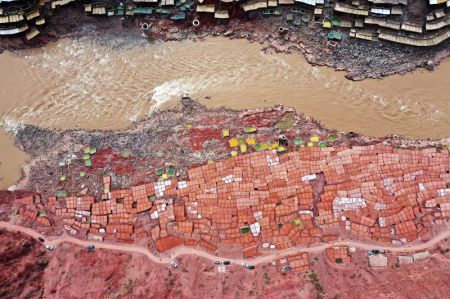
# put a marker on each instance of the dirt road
(164, 259)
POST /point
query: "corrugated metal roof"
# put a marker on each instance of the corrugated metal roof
(249, 6)
(310, 2)
(380, 11)
(423, 42)
(32, 34)
(394, 2)
(437, 25)
(434, 2)
(411, 28)
(351, 10)
(12, 31)
(210, 8)
(221, 14)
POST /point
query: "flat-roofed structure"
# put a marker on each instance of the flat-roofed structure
(378, 260)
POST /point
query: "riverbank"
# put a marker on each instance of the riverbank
(114, 80)
(241, 185)
(254, 186)
(10, 162)
(183, 137)
(359, 59)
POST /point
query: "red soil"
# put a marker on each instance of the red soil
(262, 119)
(22, 264)
(7, 199)
(199, 136)
(423, 279)
(104, 158)
(75, 273)
(219, 120)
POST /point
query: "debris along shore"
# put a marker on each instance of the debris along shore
(322, 36)
(168, 144)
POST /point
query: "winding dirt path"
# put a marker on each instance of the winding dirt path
(258, 260)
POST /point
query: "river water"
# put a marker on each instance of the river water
(109, 83)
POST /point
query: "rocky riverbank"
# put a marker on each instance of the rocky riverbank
(360, 59)
(106, 185)
(183, 138)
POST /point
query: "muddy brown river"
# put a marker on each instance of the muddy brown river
(108, 84)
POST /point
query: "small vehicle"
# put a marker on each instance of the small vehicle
(41, 239)
(245, 265)
(227, 263)
(375, 251)
(49, 247)
(90, 247)
(174, 264)
(218, 262)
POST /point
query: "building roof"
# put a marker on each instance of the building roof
(378, 260)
